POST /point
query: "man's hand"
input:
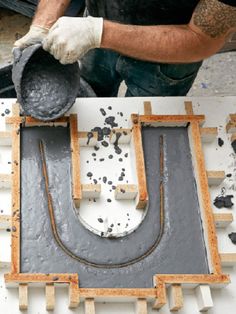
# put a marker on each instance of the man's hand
(35, 35)
(71, 37)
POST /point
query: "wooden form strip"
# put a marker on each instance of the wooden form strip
(31, 121)
(195, 280)
(141, 306)
(228, 259)
(175, 295)
(147, 108)
(171, 120)
(15, 234)
(23, 297)
(117, 293)
(215, 177)
(5, 181)
(204, 198)
(41, 278)
(5, 138)
(75, 160)
(208, 134)
(223, 220)
(188, 107)
(89, 306)
(142, 197)
(50, 296)
(5, 222)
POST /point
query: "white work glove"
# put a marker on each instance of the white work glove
(35, 35)
(71, 37)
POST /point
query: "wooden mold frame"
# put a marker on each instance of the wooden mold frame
(158, 293)
(15, 277)
(203, 178)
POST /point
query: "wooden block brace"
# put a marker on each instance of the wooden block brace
(50, 296)
(223, 220)
(23, 296)
(5, 222)
(208, 134)
(141, 306)
(120, 136)
(233, 137)
(215, 177)
(75, 160)
(147, 108)
(89, 306)
(204, 299)
(5, 181)
(5, 264)
(136, 141)
(88, 138)
(188, 107)
(175, 295)
(73, 295)
(91, 190)
(5, 138)
(126, 192)
(231, 124)
(228, 259)
(15, 109)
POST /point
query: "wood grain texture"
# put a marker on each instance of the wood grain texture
(188, 107)
(175, 295)
(89, 306)
(147, 108)
(50, 296)
(15, 234)
(141, 306)
(204, 197)
(75, 160)
(142, 197)
(23, 297)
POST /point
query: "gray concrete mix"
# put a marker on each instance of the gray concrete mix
(180, 246)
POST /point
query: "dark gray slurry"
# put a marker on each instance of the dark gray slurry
(232, 237)
(234, 145)
(182, 242)
(224, 201)
(45, 88)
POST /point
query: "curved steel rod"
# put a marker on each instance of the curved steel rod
(80, 259)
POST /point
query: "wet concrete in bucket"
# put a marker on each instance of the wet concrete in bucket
(45, 88)
(180, 237)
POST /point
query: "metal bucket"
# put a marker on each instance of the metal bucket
(45, 88)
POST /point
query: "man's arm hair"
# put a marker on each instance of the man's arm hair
(211, 24)
(49, 11)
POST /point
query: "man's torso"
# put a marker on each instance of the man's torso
(143, 12)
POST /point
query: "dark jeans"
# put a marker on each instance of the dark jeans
(104, 70)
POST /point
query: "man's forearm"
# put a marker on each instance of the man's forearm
(48, 12)
(165, 43)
